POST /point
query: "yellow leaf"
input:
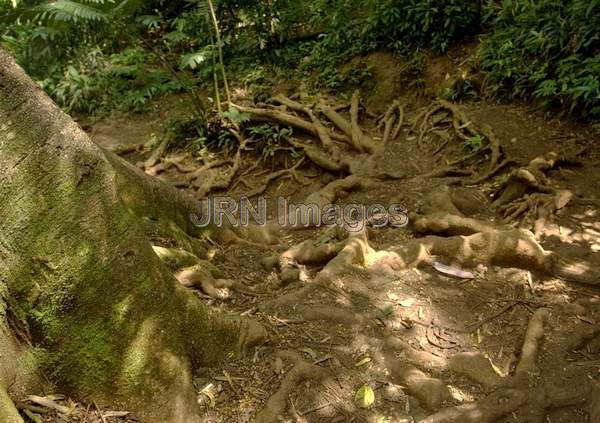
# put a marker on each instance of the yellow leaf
(365, 396)
(408, 302)
(363, 361)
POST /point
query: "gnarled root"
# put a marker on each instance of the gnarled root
(464, 128)
(192, 272)
(307, 252)
(273, 176)
(476, 367)
(360, 140)
(527, 192)
(313, 207)
(430, 392)
(211, 184)
(285, 119)
(301, 372)
(354, 253)
(201, 278)
(520, 393)
(482, 243)
(322, 132)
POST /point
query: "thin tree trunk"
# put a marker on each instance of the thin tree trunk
(220, 49)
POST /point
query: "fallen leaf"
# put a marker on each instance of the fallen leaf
(363, 361)
(408, 302)
(310, 352)
(365, 396)
(453, 271)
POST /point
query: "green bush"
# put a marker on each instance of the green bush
(548, 50)
(98, 84)
(405, 24)
(354, 27)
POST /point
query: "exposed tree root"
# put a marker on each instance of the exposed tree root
(447, 171)
(341, 123)
(122, 150)
(520, 394)
(389, 113)
(322, 159)
(268, 115)
(420, 358)
(199, 277)
(330, 314)
(387, 124)
(484, 244)
(532, 176)
(354, 253)
(291, 172)
(490, 173)
(301, 372)
(431, 392)
(310, 211)
(322, 132)
(200, 173)
(448, 224)
(222, 184)
(166, 163)
(307, 252)
(475, 366)
(192, 272)
(361, 171)
(464, 128)
(527, 192)
(454, 201)
(400, 123)
(361, 141)
(156, 155)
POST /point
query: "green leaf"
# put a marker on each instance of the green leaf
(193, 60)
(364, 361)
(365, 396)
(71, 11)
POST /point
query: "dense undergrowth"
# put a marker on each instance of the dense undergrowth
(96, 56)
(547, 50)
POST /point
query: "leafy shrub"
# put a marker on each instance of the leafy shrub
(406, 24)
(547, 50)
(98, 84)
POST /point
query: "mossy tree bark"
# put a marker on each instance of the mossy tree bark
(107, 320)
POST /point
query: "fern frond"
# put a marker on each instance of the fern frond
(72, 11)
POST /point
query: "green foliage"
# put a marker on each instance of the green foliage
(406, 24)
(548, 50)
(94, 56)
(73, 11)
(358, 74)
(235, 115)
(475, 143)
(99, 84)
(186, 132)
(412, 74)
(461, 88)
(271, 139)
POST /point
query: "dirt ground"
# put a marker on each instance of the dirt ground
(421, 339)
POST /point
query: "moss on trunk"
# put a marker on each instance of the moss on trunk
(74, 256)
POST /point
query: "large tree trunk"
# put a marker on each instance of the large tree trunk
(106, 320)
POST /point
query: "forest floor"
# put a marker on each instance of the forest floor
(421, 337)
